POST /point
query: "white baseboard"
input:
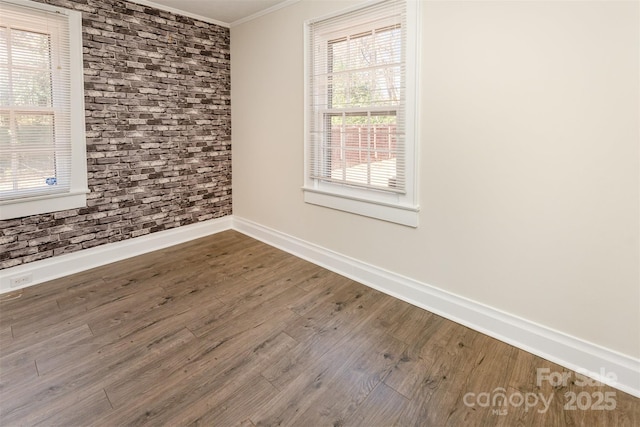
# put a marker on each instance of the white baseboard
(573, 353)
(75, 262)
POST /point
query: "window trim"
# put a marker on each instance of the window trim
(75, 197)
(387, 206)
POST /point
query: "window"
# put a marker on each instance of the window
(42, 145)
(360, 107)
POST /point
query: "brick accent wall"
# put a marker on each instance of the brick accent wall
(158, 120)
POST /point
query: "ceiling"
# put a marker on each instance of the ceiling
(226, 12)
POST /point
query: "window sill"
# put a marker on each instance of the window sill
(398, 214)
(10, 209)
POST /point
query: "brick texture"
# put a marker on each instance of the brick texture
(158, 130)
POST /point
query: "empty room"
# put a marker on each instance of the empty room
(320, 213)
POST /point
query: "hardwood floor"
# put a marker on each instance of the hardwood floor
(228, 331)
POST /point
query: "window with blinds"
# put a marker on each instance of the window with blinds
(357, 140)
(36, 112)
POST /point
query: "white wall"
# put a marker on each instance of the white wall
(529, 164)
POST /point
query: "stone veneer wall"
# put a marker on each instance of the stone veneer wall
(158, 120)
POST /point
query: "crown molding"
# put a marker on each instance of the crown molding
(180, 12)
(271, 9)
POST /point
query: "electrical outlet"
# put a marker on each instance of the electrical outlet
(18, 281)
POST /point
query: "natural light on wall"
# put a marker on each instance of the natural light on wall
(42, 148)
(360, 111)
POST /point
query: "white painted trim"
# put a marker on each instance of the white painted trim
(256, 15)
(399, 214)
(271, 9)
(568, 351)
(73, 195)
(63, 265)
(42, 204)
(180, 12)
(396, 207)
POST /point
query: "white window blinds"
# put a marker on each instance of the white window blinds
(356, 98)
(35, 102)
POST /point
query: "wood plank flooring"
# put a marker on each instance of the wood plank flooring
(227, 331)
